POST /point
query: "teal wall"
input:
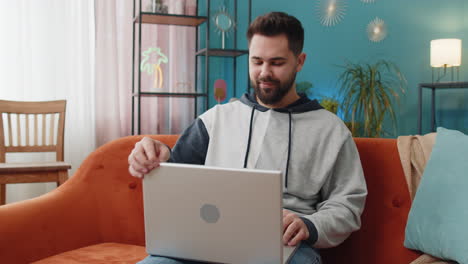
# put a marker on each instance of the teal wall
(411, 26)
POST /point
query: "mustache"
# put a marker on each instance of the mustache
(267, 79)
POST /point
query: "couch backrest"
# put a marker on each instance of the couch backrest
(380, 239)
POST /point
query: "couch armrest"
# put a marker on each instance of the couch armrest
(47, 225)
(100, 203)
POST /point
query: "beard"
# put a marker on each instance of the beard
(275, 94)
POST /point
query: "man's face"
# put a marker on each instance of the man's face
(272, 67)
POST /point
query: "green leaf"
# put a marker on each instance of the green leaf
(369, 92)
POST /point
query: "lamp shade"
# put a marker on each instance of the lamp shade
(446, 52)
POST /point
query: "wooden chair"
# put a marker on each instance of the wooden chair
(39, 127)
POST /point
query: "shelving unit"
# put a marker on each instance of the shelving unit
(434, 86)
(202, 91)
(170, 19)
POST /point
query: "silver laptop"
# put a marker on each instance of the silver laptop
(214, 214)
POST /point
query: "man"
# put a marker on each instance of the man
(276, 128)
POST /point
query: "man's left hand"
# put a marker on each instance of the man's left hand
(294, 229)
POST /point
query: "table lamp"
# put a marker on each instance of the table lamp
(445, 53)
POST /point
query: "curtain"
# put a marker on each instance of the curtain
(113, 69)
(47, 53)
(114, 25)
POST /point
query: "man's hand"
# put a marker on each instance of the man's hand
(147, 155)
(294, 229)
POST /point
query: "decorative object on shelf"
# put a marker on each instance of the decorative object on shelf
(151, 64)
(156, 6)
(369, 92)
(183, 87)
(368, 1)
(377, 30)
(445, 53)
(220, 90)
(224, 23)
(331, 12)
(177, 7)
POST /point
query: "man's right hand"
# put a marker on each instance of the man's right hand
(146, 155)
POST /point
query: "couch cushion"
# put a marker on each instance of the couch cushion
(438, 217)
(100, 253)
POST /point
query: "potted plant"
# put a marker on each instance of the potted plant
(329, 103)
(369, 92)
(304, 87)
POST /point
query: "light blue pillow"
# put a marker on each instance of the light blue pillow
(438, 219)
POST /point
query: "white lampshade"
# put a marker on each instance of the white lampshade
(446, 52)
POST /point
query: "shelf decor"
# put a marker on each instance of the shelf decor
(183, 87)
(377, 30)
(224, 24)
(151, 64)
(220, 90)
(156, 6)
(331, 12)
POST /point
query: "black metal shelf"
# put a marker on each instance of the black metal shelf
(442, 85)
(434, 86)
(164, 94)
(170, 19)
(201, 97)
(221, 52)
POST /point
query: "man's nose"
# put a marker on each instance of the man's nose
(265, 71)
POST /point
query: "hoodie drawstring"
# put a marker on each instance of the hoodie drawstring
(289, 151)
(289, 145)
(250, 137)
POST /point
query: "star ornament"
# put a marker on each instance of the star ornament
(377, 30)
(331, 12)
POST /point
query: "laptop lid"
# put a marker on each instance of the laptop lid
(213, 214)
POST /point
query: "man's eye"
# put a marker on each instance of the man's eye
(257, 62)
(277, 64)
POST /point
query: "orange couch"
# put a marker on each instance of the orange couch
(97, 215)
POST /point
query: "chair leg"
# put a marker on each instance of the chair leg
(2, 194)
(63, 176)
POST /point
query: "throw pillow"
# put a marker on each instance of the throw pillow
(438, 219)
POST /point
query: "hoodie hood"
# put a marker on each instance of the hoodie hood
(301, 105)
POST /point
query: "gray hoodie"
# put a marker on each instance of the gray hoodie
(322, 173)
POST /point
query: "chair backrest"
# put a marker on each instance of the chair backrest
(32, 127)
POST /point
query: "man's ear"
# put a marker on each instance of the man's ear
(300, 61)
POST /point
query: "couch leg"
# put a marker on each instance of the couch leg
(2, 194)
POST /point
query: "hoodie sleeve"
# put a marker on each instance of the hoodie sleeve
(192, 145)
(343, 199)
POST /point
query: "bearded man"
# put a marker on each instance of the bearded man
(276, 128)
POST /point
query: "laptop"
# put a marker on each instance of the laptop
(214, 215)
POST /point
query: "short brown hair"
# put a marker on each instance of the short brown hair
(277, 23)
